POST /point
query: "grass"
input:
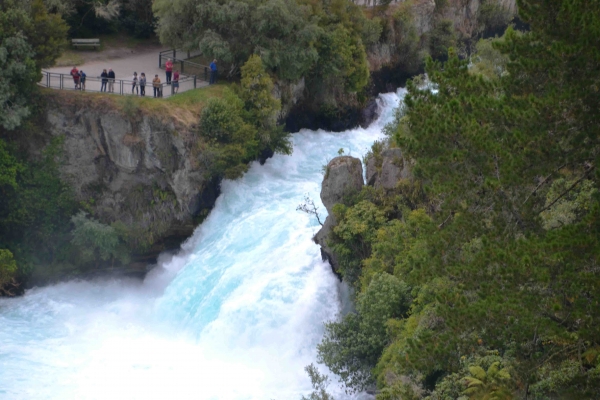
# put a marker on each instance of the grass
(183, 109)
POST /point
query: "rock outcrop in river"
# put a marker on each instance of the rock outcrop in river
(344, 176)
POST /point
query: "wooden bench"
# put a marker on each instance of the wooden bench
(95, 43)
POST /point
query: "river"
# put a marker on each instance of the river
(236, 314)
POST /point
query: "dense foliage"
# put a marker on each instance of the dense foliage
(242, 125)
(30, 39)
(497, 233)
(33, 200)
(320, 40)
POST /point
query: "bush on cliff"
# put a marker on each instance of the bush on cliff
(239, 127)
(95, 240)
(8, 271)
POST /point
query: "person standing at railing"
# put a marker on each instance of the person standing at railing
(175, 81)
(134, 83)
(82, 77)
(104, 77)
(213, 72)
(156, 84)
(169, 70)
(142, 84)
(111, 80)
(75, 74)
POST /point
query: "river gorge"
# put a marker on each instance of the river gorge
(235, 314)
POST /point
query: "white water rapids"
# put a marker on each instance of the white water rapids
(237, 314)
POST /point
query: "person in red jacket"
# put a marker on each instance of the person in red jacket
(75, 74)
(169, 70)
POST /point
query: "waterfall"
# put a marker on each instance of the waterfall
(236, 314)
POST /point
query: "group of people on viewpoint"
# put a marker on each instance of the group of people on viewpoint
(138, 83)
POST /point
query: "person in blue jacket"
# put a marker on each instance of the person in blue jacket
(213, 72)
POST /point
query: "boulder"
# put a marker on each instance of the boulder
(344, 176)
(370, 113)
(387, 168)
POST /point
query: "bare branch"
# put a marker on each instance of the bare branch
(310, 208)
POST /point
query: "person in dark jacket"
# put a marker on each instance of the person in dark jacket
(104, 77)
(82, 77)
(213, 72)
(134, 83)
(142, 84)
(111, 80)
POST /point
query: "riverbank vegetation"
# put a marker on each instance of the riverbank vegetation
(478, 278)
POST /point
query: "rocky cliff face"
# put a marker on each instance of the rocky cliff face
(138, 169)
(385, 169)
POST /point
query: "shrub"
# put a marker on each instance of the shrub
(441, 38)
(352, 346)
(8, 267)
(93, 238)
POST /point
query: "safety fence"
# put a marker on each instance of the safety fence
(183, 64)
(56, 80)
(177, 53)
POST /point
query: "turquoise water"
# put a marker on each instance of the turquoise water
(236, 314)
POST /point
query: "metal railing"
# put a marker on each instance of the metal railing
(124, 87)
(182, 64)
(188, 67)
(178, 53)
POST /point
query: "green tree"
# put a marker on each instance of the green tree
(441, 38)
(94, 239)
(508, 261)
(231, 31)
(30, 39)
(232, 142)
(8, 270)
(263, 108)
(243, 125)
(9, 167)
(319, 383)
(352, 346)
(47, 36)
(35, 210)
(18, 72)
(487, 60)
